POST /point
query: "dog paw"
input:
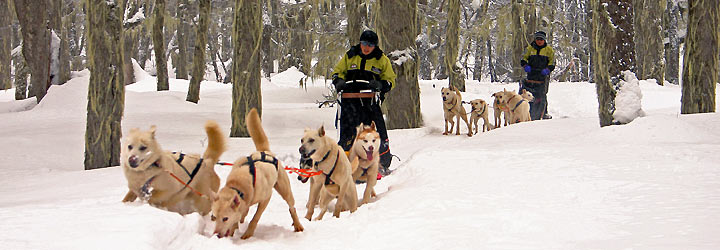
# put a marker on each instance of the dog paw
(445, 133)
(298, 227)
(246, 236)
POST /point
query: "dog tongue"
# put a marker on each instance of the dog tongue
(369, 155)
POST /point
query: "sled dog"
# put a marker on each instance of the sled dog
(498, 109)
(178, 182)
(527, 95)
(365, 158)
(251, 182)
(452, 107)
(336, 180)
(519, 108)
(479, 111)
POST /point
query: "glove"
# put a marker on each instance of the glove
(339, 84)
(545, 72)
(527, 68)
(375, 85)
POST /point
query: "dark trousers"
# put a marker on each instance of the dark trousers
(354, 111)
(538, 107)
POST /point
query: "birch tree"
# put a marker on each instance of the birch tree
(199, 59)
(247, 34)
(106, 94)
(181, 71)
(398, 29)
(701, 62)
(354, 21)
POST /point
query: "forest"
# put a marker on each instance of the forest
(43, 41)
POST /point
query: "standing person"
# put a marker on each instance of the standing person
(364, 67)
(538, 62)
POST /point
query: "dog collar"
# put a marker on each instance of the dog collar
(240, 193)
(323, 159)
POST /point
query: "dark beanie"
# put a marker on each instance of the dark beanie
(541, 35)
(369, 36)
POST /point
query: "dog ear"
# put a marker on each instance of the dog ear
(372, 125)
(321, 131)
(153, 128)
(358, 130)
(451, 87)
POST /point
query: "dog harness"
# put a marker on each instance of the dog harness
(240, 193)
(263, 158)
(328, 181)
(517, 104)
(194, 172)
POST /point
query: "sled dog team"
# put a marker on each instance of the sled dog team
(187, 183)
(515, 107)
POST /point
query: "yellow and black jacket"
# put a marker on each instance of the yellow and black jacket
(356, 66)
(539, 58)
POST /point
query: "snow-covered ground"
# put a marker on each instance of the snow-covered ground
(563, 183)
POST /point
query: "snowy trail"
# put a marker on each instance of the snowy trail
(563, 183)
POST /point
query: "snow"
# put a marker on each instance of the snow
(628, 101)
(563, 183)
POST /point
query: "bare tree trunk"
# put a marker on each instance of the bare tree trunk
(621, 43)
(518, 40)
(649, 46)
(106, 94)
(199, 59)
(354, 20)
(247, 35)
(159, 46)
(672, 47)
(5, 37)
(457, 79)
(21, 73)
(701, 62)
(181, 70)
(33, 16)
(603, 32)
(491, 66)
(397, 27)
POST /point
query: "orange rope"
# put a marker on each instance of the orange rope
(186, 185)
(307, 173)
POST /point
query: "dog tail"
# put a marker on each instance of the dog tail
(216, 142)
(255, 129)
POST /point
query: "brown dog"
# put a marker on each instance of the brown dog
(178, 182)
(498, 109)
(336, 179)
(365, 152)
(519, 107)
(250, 182)
(479, 110)
(452, 107)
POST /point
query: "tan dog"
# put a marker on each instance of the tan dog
(251, 182)
(365, 158)
(336, 179)
(452, 107)
(479, 110)
(498, 109)
(519, 108)
(527, 95)
(161, 177)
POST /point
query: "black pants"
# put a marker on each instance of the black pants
(538, 107)
(354, 111)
